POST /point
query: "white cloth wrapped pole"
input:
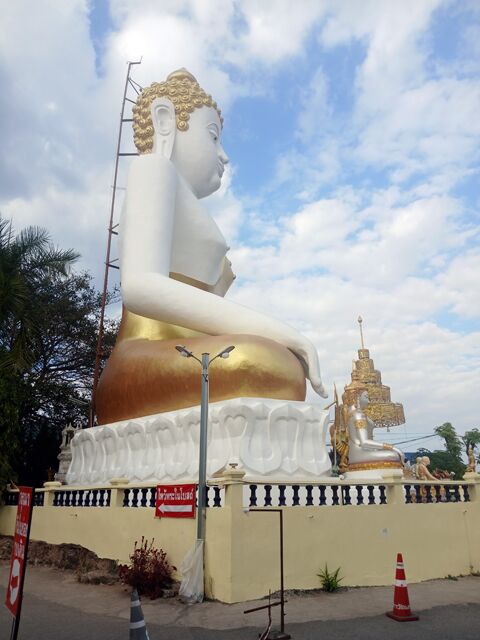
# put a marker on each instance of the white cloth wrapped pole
(191, 588)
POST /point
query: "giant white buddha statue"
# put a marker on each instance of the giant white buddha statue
(175, 272)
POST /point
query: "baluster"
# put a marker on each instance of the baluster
(371, 496)
(456, 493)
(83, 497)
(108, 494)
(347, 500)
(253, 495)
(217, 497)
(335, 499)
(438, 493)
(281, 497)
(295, 498)
(383, 495)
(323, 499)
(135, 497)
(408, 493)
(359, 489)
(309, 501)
(94, 500)
(418, 493)
(429, 490)
(74, 497)
(143, 497)
(466, 495)
(126, 497)
(268, 495)
(61, 499)
(448, 495)
(151, 497)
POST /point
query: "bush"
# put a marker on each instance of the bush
(149, 571)
(330, 581)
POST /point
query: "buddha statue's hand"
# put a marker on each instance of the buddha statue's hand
(308, 355)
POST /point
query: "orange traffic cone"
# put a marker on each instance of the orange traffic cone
(401, 605)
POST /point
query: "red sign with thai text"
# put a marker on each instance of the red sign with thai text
(175, 501)
(20, 543)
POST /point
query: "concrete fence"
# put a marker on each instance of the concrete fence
(357, 527)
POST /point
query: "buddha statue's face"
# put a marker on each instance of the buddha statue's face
(363, 400)
(198, 154)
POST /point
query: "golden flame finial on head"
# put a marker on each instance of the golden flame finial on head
(183, 90)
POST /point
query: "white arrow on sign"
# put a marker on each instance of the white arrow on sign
(176, 508)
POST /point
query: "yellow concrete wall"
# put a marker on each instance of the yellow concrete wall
(242, 550)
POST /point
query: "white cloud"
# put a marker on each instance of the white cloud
(400, 255)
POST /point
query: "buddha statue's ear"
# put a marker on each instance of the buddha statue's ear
(164, 125)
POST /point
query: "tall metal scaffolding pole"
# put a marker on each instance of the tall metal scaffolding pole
(111, 231)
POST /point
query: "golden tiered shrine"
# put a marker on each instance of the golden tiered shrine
(381, 409)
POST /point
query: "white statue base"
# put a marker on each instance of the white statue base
(276, 439)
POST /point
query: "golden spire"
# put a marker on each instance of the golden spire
(364, 376)
(360, 320)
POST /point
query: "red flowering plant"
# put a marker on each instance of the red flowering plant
(149, 570)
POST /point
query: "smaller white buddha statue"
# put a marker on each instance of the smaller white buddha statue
(366, 457)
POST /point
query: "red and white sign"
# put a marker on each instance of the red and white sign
(175, 501)
(20, 540)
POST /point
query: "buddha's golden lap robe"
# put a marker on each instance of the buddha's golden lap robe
(146, 375)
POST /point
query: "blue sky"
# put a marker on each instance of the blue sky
(353, 135)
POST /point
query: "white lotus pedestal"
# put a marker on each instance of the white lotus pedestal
(283, 440)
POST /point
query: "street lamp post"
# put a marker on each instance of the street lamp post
(205, 363)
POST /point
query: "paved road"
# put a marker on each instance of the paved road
(56, 607)
(50, 621)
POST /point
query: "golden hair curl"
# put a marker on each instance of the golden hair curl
(183, 90)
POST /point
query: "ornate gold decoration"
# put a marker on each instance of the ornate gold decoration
(183, 90)
(367, 466)
(339, 435)
(365, 377)
(387, 446)
(360, 424)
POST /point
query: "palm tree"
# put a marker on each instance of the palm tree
(25, 260)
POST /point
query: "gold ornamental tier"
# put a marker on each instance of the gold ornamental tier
(381, 409)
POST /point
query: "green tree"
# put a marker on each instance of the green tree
(55, 389)
(25, 261)
(451, 458)
(48, 330)
(471, 438)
